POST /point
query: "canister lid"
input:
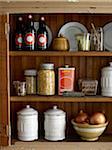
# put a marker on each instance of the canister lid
(30, 72)
(108, 68)
(47, 66)
(27, 111)
(54, 112)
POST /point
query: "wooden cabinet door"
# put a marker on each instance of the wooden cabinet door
(4, 90)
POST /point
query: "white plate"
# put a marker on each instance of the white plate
(36, 26)
(108, 36)
(69, 30)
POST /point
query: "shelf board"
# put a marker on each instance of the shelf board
(59, 99)
(58, 53)
(56, 6)
(102, 138)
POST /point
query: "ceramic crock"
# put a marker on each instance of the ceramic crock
(27, 124)
(106, 81)
(60, 44)
(54, 124)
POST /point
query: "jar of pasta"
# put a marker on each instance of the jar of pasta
(30, 77)
(46, 79)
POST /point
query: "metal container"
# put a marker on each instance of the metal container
(46, 79)
(27, 124)
(55, 124)
(106, 81)
(66, 79)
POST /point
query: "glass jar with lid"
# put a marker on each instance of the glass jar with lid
(46, 79)
(30, 77)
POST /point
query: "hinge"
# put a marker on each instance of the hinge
(8, 130)
(0, 128)
(5, 130)
(7, 29)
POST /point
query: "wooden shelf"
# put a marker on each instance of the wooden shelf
(56, 6)
(59, 99)
(102, 138)
(58, 53)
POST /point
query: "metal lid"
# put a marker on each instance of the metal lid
(30, 72)
(108, 68)
(47, 66)
(54, 112)
(27, 111)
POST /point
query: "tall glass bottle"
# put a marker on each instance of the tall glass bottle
(42, 35)
(29, 35)
(19, 34)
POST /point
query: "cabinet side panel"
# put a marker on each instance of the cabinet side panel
(3, 83)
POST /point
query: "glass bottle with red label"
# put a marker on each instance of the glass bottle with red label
(29, 35)
(42, 35)
(19, 34)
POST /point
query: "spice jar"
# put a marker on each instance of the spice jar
(46, 79)
(30, 76)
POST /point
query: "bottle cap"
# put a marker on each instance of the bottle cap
(42, 18)
(30, 16)
(20, 18)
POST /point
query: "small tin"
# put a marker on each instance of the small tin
(65, 79)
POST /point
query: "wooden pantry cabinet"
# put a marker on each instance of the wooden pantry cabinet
(13, 63)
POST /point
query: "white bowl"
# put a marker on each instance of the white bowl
(89, 132)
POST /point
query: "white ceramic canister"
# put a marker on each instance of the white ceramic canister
(27, 124)
(55, 124)
(106, 81)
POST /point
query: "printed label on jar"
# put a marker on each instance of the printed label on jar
(66, 80)
(42, 39)
(18, 39)
(29, 39)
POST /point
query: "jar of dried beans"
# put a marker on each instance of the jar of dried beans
(46, 79)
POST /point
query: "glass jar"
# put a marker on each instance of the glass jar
(97, 39)
(46, 79)
(30, 77)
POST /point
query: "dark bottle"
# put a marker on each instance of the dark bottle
(42, 35)
(29, 35)
(19, 34)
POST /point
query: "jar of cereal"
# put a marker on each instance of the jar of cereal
(30, 77)
(46, 79)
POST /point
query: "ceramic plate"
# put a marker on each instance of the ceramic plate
(36, 26)
(69, 30)
(108, 36)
